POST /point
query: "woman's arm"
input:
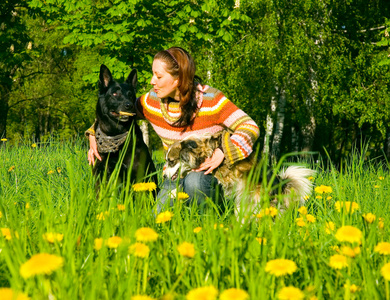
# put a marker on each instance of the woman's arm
(92, 152)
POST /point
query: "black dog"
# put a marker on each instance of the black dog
(115, 120)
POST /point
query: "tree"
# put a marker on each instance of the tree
(14, 44)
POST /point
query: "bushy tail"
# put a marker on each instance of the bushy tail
(298, 186)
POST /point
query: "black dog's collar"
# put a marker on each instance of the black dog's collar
(106, 143)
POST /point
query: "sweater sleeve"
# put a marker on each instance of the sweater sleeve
(238, 141)
(90, 130)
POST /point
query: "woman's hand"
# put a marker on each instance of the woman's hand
(212, 162)
(92, 152)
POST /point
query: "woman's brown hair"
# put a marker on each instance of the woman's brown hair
(181, 65)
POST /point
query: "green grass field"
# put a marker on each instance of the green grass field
(92, 248)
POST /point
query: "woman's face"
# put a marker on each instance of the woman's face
(164, 84)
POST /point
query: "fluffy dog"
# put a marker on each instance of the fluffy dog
(115, 120)
(240, 180)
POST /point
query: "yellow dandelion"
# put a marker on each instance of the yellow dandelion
(306, 197)
(381, 177)
(310, 218)
(302, 210)
(204, 293)
(97, 244)
(280, 267)
(377, 186)
(261, 240)
(350, 207)
(348, 234)
(300, 222)
(146, 234)
(329, 198)
(318, 197)
(11, 169)
(186, 249)
(182, 196)
(383, 248)
(216, 226)
(28, 205)
(102, 216)
(335, 248)
(141, 297)
(329, 227)
(269, 211)
(34, 145)
(121, 207)
(369, 218)
(353, 288)
(3, 140)
(338, 261)
(7, 234)
(9, 294)
(272, 211)
(53, 237)
(1, 214)
(59, 170)
(144, 187)
(197, 229)
(50, 172)
(168, 296)
(114, 242)
(164, 217)
(139, 250)
(311, 178)
(323, 189)
(381, 223)
(350, 252)
(39, 264)
(290, 293)
(234, 294)
(385, 271)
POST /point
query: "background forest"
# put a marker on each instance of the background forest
(314, 74)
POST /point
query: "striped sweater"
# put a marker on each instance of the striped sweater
(215, 113)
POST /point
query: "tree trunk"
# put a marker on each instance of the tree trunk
(386, 144)
(279, 125)
(4, 106)
(270, 126)
(308, 133)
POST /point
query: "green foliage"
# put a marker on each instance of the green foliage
(328, 59)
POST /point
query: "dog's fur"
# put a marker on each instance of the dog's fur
(115, 98)
(184, 156)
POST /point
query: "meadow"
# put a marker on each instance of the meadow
(59, 241)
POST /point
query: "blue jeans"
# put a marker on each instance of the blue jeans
(197, 185)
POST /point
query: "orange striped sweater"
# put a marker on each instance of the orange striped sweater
(215, 113)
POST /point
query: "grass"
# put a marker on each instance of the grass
(50, 189)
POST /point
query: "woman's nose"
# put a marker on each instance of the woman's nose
(152, 81)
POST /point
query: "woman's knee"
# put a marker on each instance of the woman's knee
(197, 183)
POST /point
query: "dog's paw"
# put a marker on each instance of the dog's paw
(173, 194)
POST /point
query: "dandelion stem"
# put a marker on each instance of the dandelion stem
(145, 276)
(179, 278)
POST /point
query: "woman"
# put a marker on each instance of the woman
(177, 106)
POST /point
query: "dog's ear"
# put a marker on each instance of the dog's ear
(132, 79)
(190, 144)
(105, 77)
(215, 141)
